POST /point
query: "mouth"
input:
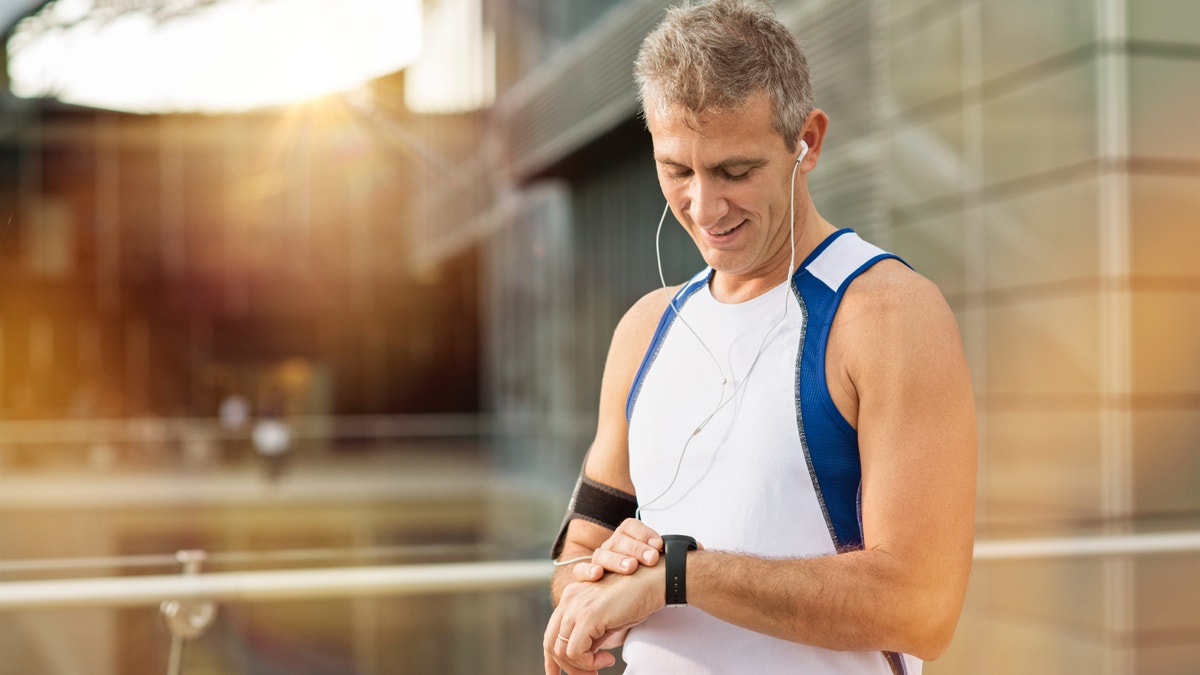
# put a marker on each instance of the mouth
(725, 233)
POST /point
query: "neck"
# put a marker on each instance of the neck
(734, 288)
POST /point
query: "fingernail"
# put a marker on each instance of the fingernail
(648, 556)
(627, 564)
(593, 570)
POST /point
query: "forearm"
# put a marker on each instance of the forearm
(564, 571)
(862, 600)
(561, 577)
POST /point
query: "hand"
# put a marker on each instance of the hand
(632, 544)
(593, 617)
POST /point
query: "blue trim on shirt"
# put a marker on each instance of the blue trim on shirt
(830, 441)
(664, 325)
(827, 326)
(819, 250)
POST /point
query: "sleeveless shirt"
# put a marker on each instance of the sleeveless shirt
(773, 470)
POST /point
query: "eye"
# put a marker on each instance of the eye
(680, 173)
(737, 176)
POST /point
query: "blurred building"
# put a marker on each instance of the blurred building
(155, 268)
(466, 236)
(154, 265)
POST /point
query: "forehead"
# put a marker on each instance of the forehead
(674, 129)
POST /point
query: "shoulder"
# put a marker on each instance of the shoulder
(892, 312)
(891, 285)
(636, 328)
(608, 459)
(895, 346)
(631, 338)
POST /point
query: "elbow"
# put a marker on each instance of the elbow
(929, 611)
(928, 636)
(931, 645)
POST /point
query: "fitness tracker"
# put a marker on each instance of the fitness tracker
(675, 550)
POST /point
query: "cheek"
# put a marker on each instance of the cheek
(677, 199)
(672, 189)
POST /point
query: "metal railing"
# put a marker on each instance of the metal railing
(187, 601)
(174, 429)
(275, 584)
(1076, 547)
(460, 577)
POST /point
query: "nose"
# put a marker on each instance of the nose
(706, 203)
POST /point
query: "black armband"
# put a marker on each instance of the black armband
(596, 503)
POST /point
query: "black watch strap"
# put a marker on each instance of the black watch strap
(675, 550)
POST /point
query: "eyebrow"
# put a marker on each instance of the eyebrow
(724, 165)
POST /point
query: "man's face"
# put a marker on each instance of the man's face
(727, 181)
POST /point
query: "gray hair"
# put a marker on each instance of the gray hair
(713, 56)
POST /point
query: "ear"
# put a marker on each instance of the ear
(813, 134)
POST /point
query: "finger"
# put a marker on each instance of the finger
(558, 659)
(612, 640)
(639, 531)
(560, 630)
(558, 642)
(555, 628)
(603, 659)
(629, 547)
(635, 540)
(577, 652)
(614, 561)
(588, 572)
(548, 640)
(553, 667)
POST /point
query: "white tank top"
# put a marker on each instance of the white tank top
(744, 481)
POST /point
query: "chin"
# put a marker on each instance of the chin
(729, 262)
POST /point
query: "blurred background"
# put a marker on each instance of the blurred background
(317, 285)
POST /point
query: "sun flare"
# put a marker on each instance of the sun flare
(227, 56)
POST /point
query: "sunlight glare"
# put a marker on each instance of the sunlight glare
(235, 55)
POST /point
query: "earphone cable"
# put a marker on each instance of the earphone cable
(757, 355)
(662, 279)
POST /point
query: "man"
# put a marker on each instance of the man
(801, 408)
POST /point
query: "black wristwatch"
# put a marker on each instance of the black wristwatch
(675, 550)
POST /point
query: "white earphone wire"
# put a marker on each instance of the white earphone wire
(761, 345)
(662, 279)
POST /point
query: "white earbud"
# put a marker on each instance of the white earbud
(803, 151)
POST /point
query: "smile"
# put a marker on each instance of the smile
(725, 232)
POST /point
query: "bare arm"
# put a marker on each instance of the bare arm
(897, 371)
(608, 457)
(608, 463)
